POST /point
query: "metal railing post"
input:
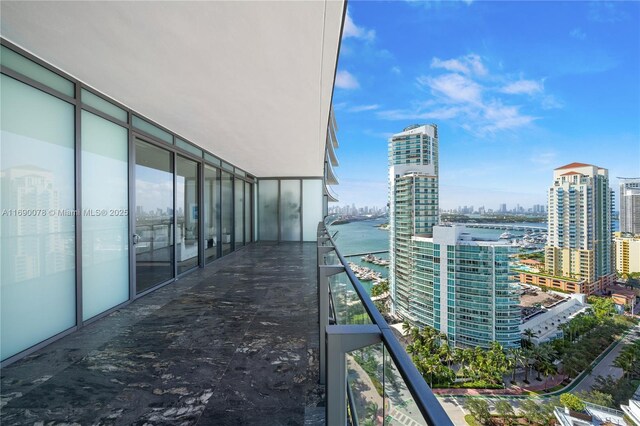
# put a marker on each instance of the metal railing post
(342, 339)
(324, 272)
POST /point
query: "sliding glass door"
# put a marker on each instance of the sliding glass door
(187, 214)
(153, 237)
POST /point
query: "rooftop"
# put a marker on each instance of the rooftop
(573, 165)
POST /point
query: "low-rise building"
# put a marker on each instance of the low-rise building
(566, 284)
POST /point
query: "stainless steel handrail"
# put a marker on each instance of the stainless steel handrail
(424, 398)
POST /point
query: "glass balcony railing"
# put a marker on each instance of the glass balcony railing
(369, 377)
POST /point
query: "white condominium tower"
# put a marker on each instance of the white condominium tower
(413, 206)
(630, 205)
(579, 244)
(440, 277)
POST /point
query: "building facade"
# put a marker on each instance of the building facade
(627, 252)
(439, 277)
(463, 288)
(630, 205)
(579, 244)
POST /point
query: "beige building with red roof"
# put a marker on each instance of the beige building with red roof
(579, 244)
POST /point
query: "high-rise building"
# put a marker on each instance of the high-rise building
(630, 205)
(413, 192)
(462, 288)
(579, 244)
(439, 277)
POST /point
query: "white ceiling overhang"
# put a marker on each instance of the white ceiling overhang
(249, 81)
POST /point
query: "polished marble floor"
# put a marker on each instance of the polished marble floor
(235, 343)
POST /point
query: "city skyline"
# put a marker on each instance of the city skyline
(510, 105)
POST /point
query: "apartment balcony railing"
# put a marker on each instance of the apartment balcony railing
(367, 373)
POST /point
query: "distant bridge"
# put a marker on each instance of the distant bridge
(505, 226)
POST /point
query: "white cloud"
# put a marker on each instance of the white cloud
(475, 99)
(578, 34)
(469, 64)
(437, 114)
(352, 30)
(528, 87)
(345, 80)
(500, 117)
(454, 87)
(361, 108)
(396, 70)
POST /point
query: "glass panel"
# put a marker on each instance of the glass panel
(311, 208)
(151, 129)
(268, 210)
(240, 172)
(210, 158)
(211, 212)
(154, 215)
(105, 218)
(247, 212)
(290, 209)
(227, 212)
(239, 212)
(28, 68)
(186, 214)
(188, 147)
(346, 302)
(37, 230)
(398, 402)
(100, 104)
(365, 377)
(227, 166)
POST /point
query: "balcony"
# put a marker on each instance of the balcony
(234, 343)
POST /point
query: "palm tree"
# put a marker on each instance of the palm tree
(406, 328)
(547, 369)
(529, 334)
(517, 357)
(446, 354)
(372, 411)
(527, 355)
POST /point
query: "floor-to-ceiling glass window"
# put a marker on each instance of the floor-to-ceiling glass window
(186, 214)
(211, 212)
(290, 209)
(154, 215)
(37, 231)
(247, 212)
(239, 212)
(227, 211)
(268, 210)
(105, 221)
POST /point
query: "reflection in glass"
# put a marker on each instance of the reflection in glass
(239, 212)
(227, 212)
(311, 208)
(211, 212)
(105, 238)
(186, 214)
(37, 234)
(290, 209)
(268, 210)
(247, 212)
(154, 216)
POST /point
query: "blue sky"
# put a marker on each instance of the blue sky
(516, 89)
